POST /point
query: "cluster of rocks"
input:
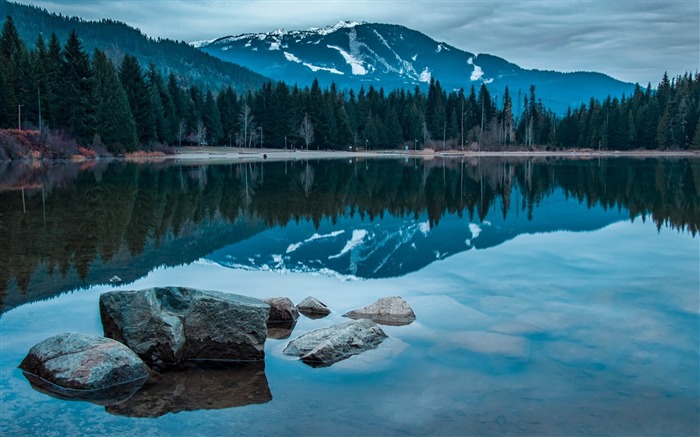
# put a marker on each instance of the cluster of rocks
(163, 336)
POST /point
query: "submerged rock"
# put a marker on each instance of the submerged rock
(167, 326)
(199, 386)
(282, 309)
(280, 330)
(313, 308)
(386, 311)
(84, 367)
(323, 347)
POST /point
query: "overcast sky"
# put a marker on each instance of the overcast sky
(632, 40)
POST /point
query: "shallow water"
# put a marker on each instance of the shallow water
(542, 311)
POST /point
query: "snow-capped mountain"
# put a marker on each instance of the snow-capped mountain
(353, 54)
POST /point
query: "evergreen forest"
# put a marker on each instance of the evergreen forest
(112, 104)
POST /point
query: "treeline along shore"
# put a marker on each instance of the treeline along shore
(58, 101)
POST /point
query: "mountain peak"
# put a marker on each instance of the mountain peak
(343, 24)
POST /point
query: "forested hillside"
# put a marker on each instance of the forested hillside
(116, 39)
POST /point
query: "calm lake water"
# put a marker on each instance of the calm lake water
(552, 297)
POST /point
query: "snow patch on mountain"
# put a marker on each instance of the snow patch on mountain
(477, 73)
(292, 247)
(202, 43)
(358, 235)
(414, 57)
(403, 239)
(337, 26)
(315, 68)
(425, 75)
(320, 237)
(292, 58)
(475, 230)
(424, 227)
(406, 68)
(355, 64)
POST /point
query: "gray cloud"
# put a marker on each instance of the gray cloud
(633, 40)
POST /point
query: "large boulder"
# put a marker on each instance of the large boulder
(323, 347)
(141, 321)
(204, 385)
(386, 311)
(170, 325)
(313, 308)
(84, 367)
(282, 309)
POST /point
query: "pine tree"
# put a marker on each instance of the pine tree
(75, 96)
(162, 107)
(138, 94)
(507, 118)
(344, 136)
(40, 61)
(393, 129)
(695, 145)
(212, 120)
(113, 119)
(435, 112)
(12, 57)
(53, 66)
(227, 101)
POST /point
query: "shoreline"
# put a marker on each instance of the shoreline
(215, 155)
(225, 153)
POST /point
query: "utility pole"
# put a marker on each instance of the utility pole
(19, 117)
(481, 132)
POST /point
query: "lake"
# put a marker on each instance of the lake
(552, 296)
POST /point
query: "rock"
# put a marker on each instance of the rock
(386, 311)
(199, 386)
(84, 367)
(138, 319)
(280, 330)
(282, 309)
(167, 326)
(313, 308)
(323, 347)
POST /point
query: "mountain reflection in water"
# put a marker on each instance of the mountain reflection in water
(64, 227)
